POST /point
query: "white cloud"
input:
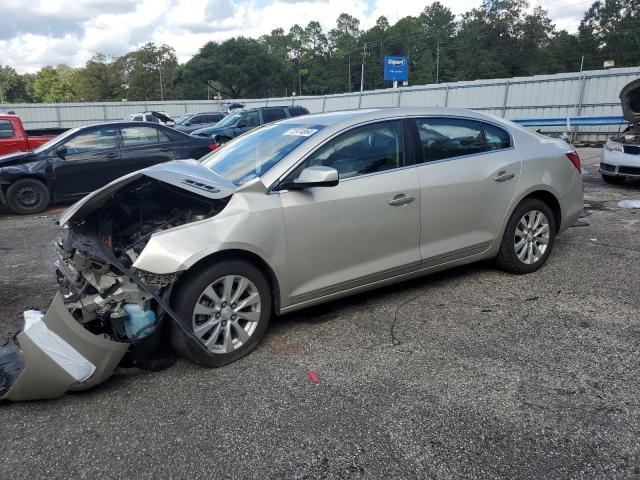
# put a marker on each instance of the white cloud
(34, 33)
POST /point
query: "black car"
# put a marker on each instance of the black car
(195, 121)
(84, 159)
(236, 123)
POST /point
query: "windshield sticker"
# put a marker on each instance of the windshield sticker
(300, 132)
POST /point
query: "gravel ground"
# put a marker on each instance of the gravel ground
(495, 376)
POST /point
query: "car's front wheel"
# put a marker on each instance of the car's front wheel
(528, 239)
(227, 305)
(27, 196)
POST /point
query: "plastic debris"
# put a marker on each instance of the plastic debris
(629, 204)
(313, 377)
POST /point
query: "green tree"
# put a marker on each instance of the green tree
(239, 67)
(100, 80)
(13, 87)
(54, 84)
(149, 72)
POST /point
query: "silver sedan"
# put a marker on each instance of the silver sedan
(292, 214)
(315, 208)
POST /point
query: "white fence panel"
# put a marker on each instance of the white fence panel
(590, 93)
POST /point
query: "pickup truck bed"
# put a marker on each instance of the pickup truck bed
(14, 137)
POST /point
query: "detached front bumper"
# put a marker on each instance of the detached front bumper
(54, 355)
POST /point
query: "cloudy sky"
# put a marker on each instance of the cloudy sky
(34, 33)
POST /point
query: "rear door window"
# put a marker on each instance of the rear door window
(211, 118)
(134, 136)
(271, 115)
(495, 137)
(6, 129)
(442, 138)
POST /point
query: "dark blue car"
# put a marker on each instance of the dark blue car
(237, 123)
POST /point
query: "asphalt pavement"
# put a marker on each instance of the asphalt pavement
(492, 375)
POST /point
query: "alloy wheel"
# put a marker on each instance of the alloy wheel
(531, 237)
(227, 314)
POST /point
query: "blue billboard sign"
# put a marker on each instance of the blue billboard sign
(396, 69)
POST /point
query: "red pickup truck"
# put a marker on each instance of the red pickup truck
(14, 138)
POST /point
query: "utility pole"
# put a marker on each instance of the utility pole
(438, 62)
(349, 73)
(161, 93)
(364, 52)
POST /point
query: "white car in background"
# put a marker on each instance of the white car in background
(621, 154)
(153, 117)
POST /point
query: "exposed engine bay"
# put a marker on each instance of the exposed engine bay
(94, 271)
(107, 313)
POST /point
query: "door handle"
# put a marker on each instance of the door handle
(164, 149)
(401, 199)
(504, 176)
(110, 155)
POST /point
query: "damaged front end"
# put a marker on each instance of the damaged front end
(108, 313)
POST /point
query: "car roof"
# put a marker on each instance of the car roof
(269, 108)
(203, 113)
(121, 124)
(343, 118)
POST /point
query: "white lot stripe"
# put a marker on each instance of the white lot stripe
(56, 347)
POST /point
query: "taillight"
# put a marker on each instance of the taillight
(575, 159)
(213, 146)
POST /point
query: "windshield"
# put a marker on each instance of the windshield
(253, 153)
(182, 119)
(54, 140)
(229, 120)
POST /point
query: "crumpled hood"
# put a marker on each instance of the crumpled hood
(630, 99)
(17, 158)
(189, 175)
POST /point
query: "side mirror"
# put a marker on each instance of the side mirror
(61, 151)
(318, 176)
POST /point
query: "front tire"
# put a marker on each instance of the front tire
(27, 196)
(228, 307)
(528, 239)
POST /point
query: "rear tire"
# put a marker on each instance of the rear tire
(28, 196)
(228, 329)
(613, 180)
(528, 238)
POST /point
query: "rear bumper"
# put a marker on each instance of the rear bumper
(619, 164)
(572, 204)
(55, 355)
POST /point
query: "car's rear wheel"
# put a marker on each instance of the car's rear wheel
(27, 196)
(613, 180)
(528, 239)
(227, 306)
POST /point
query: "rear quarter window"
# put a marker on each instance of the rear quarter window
(495, 137)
